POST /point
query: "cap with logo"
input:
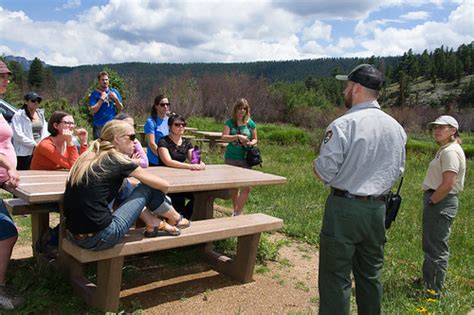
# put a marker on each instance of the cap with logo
(445, 120)
(33, 96)
(366, 75)
(3, 68)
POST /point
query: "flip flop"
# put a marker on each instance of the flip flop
(161, 231)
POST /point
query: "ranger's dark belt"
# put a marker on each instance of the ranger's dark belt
(348, 195)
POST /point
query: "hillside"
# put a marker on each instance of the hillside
(423, 93)
(289, 71)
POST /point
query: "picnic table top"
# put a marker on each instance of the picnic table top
(211, 134)
(48, 186)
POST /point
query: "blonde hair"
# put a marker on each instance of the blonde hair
(100, 151)
(241, 103)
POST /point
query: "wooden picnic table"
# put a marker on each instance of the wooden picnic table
(217, 181)
(213, 137)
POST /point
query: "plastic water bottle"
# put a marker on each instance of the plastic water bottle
(196, 155)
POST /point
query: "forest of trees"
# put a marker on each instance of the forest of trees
(295, 91)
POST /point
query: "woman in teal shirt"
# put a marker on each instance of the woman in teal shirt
(240, 132)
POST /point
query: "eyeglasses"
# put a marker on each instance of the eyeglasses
(35, 101)
(164, 104)
(179, 125)
(132, 137)
(69, 123)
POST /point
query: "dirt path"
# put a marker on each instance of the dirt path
(288, 285)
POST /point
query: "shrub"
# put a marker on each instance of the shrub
(289, 136)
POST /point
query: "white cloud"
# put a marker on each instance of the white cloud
(318, 30)
(415, 15)
(430, 35)
(71, 4)
(236, 30)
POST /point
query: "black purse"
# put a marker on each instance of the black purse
(252, 154)
(392, 205)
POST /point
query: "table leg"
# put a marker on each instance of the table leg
(204, 202)
(212, 144)
(39, 224)
(204, 208)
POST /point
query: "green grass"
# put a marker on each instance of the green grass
(300, 203)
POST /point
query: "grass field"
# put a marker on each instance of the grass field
(300, 203)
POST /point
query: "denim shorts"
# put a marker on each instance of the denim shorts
(7, 227)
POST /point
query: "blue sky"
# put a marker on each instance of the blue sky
(76, 32)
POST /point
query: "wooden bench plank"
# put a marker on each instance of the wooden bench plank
(199, 232)
(17, 206)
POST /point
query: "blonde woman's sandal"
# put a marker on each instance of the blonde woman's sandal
(164, 229)
(182, 223)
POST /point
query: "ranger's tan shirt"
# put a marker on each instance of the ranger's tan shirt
(449, 157)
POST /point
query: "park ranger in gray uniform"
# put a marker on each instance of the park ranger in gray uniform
(361, 157)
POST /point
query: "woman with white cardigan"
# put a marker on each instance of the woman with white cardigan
(29, 128)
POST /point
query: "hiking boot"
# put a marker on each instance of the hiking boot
(9, 301)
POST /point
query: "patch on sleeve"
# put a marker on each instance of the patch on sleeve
(327, 136)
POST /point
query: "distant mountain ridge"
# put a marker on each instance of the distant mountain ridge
(25, 63)
(290, 70)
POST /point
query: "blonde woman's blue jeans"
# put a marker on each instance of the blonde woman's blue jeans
(125, 216)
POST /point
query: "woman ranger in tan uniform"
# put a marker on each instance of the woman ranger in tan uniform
(443, 182)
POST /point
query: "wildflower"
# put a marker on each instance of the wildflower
(430, 291)
(430, 300)
(421, 309)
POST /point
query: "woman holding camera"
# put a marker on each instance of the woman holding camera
(240, 132)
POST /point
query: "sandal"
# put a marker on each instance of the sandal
(162, 231)
(180, 224)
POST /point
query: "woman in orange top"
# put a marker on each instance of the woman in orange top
(58, 151)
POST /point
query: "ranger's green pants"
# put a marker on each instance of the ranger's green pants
(352, 239)
(437, 221)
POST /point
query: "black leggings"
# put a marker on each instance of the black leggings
(23, 163)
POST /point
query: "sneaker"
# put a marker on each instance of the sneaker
(9, 301)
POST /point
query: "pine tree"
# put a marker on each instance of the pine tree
(35, 75)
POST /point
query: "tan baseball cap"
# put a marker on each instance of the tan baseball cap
(3, 68)
(445, 120)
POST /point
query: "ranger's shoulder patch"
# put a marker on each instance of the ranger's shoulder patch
(327, 136)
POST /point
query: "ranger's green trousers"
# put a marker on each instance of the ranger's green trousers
(352, 239)
(437, 221)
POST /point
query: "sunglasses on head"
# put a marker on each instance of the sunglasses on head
(179, 124)
(132, 137)
(164, 104)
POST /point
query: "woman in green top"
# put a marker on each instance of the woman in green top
(240, 132)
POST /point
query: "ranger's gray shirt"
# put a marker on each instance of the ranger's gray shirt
(363, 151)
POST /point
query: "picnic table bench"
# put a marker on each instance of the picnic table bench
(37, 189)
(105, 294)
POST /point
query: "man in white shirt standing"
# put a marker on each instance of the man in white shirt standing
(361, 157)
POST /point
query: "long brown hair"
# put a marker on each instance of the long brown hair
(241, 103)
